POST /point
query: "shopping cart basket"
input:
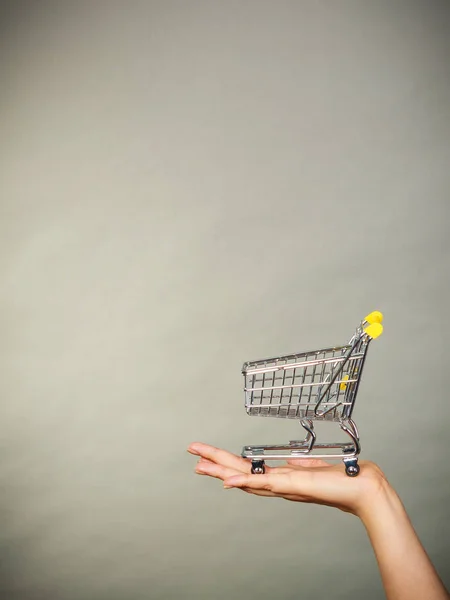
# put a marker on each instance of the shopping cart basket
(320, 385)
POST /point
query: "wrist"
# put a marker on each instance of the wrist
(405, 567)
(377, 498)
(380, 505)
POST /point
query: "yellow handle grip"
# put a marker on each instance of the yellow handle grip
(374, 317)
(374, 330)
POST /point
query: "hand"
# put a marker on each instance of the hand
(299, 480)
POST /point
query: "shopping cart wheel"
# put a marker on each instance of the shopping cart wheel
(258, 467)
(352, 470)
(351, 463)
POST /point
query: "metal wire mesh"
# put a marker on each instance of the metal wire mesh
(294, 386)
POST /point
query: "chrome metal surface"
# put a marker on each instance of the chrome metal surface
(319, 385)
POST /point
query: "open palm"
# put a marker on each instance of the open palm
(298, 480)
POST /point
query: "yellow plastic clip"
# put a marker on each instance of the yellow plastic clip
(343, 385)
(374, 317)
(374, 330)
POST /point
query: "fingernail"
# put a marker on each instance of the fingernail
(227, 487)
(192, 451)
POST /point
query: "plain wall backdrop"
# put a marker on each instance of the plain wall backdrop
(184, 186)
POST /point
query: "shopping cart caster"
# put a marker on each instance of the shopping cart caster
(352, 468)
(258, 467)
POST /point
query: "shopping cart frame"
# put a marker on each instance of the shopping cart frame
(331, 397)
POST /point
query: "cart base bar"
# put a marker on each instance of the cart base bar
(259, 454)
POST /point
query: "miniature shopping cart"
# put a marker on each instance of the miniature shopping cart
(320, 385)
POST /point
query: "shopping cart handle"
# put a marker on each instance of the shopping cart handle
(374, 317)
(374, 330)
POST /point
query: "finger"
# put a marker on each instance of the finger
(278, 483)
(221, 457)
(206, 467)
(263, 493)
(266, 494)
(205, 461)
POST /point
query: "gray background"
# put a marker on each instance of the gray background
(186, 186)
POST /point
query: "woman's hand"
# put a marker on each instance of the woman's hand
(299, 480)
(406, 570)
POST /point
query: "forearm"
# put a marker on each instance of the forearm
(406, 571)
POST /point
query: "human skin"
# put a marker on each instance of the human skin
(406, 570)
